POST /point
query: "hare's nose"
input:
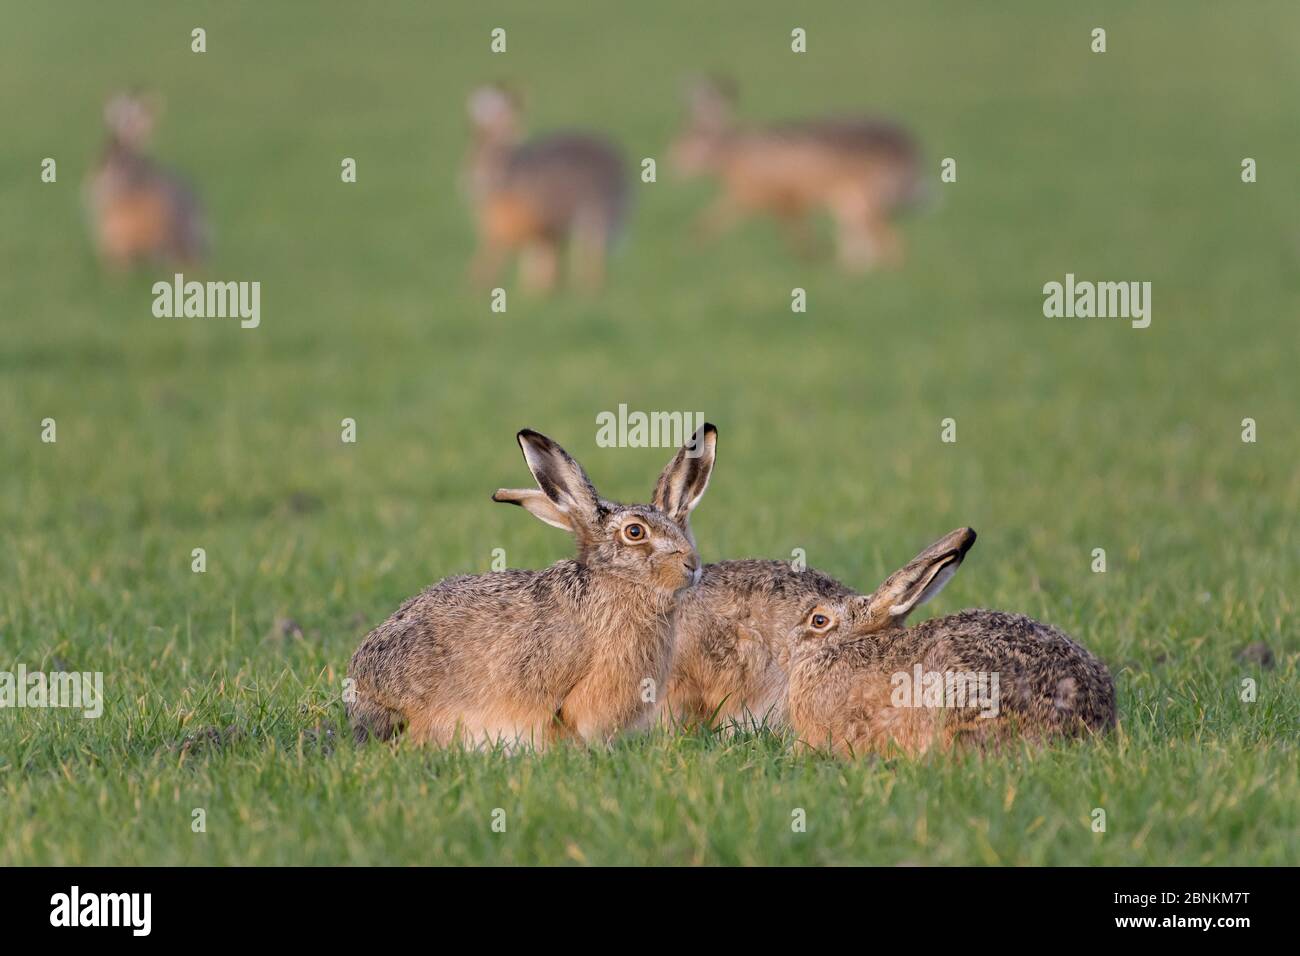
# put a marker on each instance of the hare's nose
(692, 567)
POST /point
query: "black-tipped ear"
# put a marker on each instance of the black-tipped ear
(560, 478)
(921, 578)
(683, 482)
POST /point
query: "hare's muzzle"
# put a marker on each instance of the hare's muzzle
(693, 570)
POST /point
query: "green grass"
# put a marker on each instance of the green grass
(1072, 435)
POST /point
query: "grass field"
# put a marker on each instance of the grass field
(223, 687)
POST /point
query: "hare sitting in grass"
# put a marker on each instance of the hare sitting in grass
(139, 211)
(536, 198)
(861, 682)
(526, 658)
(736, 630)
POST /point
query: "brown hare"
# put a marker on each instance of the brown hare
(527, 658)
(861, 682)
(862, 172)
(734, 635)
(539, 197)
(731, 630)
(139, 211)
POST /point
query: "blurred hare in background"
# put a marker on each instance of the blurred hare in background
(860, 171)
(140, 212)
(537, 199)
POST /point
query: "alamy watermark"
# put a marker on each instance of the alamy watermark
(624, 429)
(1102, 300)
(179, 299)
(75, 908)
(955, 689)
(57, 689)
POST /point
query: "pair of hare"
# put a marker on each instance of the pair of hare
(577, 651)
(533, 199)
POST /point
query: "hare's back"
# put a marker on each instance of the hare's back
(995, 636)
(764, 580)
(125, 174)
(877, 137)
(876, 152)
(1043, 672)
(500, 607)
(466, 637)
(568, 175)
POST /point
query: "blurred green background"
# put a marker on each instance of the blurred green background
(1072, 434)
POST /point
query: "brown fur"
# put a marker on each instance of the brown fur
(535, 199)
(140, 212)
(527, 658)
(731, 631)
(842, 676)
(740, 632)
(862, 172)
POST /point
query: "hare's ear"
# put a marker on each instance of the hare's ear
(561, 479)
(493, 105)
(921, 578)
(682, 483)
(536, 502)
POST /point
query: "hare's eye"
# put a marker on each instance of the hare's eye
(820, 621)
(634, 531)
